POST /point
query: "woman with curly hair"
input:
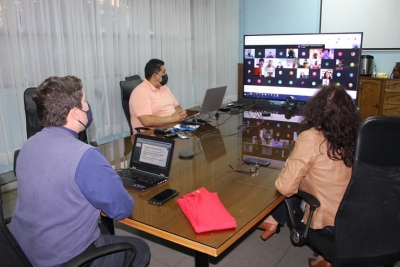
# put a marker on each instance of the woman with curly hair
(321, 161)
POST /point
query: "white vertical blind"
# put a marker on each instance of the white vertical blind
(102, 42)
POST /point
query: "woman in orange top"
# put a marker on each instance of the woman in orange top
(321, 161)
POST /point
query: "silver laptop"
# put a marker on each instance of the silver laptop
(212, 101)
(150, 163)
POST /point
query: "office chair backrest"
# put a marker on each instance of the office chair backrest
(32, 122)
(126, 90)
(11, 254)
(133, 77)
(367, 224)
(16, 153)
(380, 131)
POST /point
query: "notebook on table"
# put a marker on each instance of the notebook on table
(212, 101)
(150, 163)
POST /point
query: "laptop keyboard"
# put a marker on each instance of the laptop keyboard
(139, 179)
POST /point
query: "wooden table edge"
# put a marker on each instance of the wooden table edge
(195, 245)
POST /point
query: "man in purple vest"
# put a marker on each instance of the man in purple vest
(63, 184)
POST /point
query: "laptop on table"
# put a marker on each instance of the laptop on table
(150, 163)
(212, 101)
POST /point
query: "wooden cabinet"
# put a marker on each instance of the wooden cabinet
(391, 98)
(378, 97)
(369, 95)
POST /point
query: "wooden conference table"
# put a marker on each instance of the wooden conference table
(248, 198)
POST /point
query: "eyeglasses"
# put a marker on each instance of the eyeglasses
(253, 168)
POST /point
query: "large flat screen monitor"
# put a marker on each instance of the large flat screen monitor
(278, 66)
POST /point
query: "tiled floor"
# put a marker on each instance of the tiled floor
(249, 251)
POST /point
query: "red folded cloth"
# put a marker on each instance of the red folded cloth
(205, 211)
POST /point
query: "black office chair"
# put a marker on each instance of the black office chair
(133, 77)
(367, 224)
(16, 153)
(32, 121)
(126, 90)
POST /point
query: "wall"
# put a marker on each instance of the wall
(373, 17)
(274, 17)
(289, 16)
(384, 60)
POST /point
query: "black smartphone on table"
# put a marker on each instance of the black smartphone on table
(261, 162)
(162, 130)
(163, 196)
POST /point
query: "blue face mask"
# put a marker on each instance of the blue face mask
(89, 117)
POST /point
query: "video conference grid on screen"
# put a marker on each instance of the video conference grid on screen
(278, 66)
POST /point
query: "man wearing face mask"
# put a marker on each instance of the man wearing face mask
(152, 103)
(63, 184)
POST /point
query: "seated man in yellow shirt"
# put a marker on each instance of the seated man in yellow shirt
(152, 103)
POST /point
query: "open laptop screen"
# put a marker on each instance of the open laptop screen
(152, 154)
(213, 99)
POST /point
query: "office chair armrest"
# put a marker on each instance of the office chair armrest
(310, 199)
(7, 220)
(90, 255)
(138, 129)
(299, 232)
